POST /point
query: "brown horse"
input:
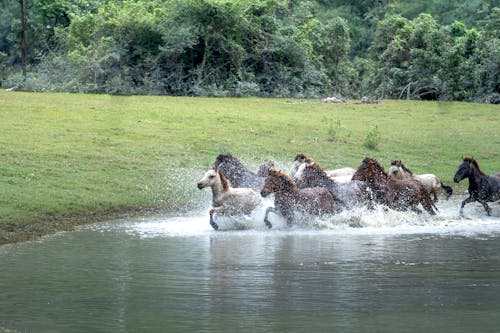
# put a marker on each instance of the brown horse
(289, 199)
(349, 195)
(395, 193)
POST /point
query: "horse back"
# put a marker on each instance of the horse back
(492, 189)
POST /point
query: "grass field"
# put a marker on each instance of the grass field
(67, 159)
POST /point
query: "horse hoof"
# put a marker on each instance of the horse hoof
(269, 225)
(214, 225)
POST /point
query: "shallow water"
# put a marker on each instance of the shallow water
(358, 272)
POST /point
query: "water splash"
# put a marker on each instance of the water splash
(360, 221)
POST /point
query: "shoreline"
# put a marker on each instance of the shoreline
(49, 226)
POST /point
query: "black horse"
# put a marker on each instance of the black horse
(482, 188)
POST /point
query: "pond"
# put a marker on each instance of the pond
(364, 271)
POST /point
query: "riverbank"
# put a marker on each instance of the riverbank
(69, 159)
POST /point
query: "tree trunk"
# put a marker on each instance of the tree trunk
(23, 39)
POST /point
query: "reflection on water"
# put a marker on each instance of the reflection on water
(394, 272)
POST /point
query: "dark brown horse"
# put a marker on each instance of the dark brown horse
(289, 199)
(482, 188)
(396, 194)
(349, 195)
(239, 175)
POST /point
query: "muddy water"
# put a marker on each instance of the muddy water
(358, 272)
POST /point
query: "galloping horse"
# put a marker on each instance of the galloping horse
(482, 188)
(395, 193)
(349, 195)
(342, 175)
(238, 174)
(289, 199)
(227, 200)
(431, 182)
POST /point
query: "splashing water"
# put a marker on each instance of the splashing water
(360, 221)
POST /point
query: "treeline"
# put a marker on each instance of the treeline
(436, 49)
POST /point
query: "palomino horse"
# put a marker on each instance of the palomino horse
(288, 198)
(227, 200)
(395, 193)
(239, 175)
(431, 182)
(349, 195)
(482, 188)
(342, 175)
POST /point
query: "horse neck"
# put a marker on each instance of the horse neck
(220, 187)
(286, 188)
(379, 180)
(322, 179)
(476, 176)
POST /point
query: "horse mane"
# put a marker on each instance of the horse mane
(229, 158)
(226, 184)
(264, 168)
(474, 163)
(283, 177)
(233, 166)
(375, 164)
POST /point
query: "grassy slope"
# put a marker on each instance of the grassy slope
(66, 155)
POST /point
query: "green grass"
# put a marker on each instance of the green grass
(66, 157)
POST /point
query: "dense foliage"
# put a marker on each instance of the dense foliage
(447, 50)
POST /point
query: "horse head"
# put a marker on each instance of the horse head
(302, 158)
(370, 171)
(394, 171)
(466, 169)
(212, 177)
(399, 171)
(264, 168)
(277, 181)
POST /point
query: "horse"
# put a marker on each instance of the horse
(227, 200)
(396, 194)
(342, 175)
(482, 188)
(433, 184)
(349, 194)
(238, 174)
(289, 199)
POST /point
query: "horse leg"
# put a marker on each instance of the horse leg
(434, 193)
(212, 222)
(427, 203)
(486, 207)
(466, 201)
(266, 216)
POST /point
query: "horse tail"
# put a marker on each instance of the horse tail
(448, 189)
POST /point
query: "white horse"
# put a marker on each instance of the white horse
(430, 181)
(340, 176)
(227, 200)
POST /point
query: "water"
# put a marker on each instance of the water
(359, 272)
